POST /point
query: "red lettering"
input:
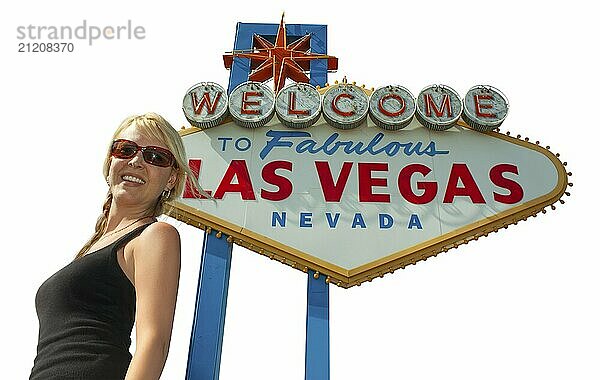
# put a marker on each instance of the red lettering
(292, 106)
(210, 106)
(439, 112)
(332, 191)
(429, 188)
(515, 190)
(469, 189)
(246, 103)
(388, 113)
(339, 111)
(479, 106)
(366, 182)
(239, 170)
(190, 191)
(283, 184)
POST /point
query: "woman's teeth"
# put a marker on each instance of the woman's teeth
(133, 179)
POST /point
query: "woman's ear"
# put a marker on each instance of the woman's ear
(172, 179)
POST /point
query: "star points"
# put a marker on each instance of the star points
(280, 60)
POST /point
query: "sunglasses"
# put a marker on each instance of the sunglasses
(154, 155)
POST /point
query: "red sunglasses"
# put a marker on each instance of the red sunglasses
(154, 155)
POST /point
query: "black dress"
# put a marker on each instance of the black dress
(86, 313)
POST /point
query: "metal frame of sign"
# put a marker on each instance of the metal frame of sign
(348, 278)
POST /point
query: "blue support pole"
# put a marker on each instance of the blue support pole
(316, 365)
(207, 335)
(204, 357)
(317, 329)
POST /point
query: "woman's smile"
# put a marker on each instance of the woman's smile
(132, 179)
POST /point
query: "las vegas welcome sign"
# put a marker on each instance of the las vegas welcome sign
(355, 183)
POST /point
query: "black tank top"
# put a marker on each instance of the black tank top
(86, 313)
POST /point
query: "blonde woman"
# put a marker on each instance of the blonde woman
(128, 271)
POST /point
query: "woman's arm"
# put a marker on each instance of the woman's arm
(157, 261)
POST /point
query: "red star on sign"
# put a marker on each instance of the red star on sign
(280, 61)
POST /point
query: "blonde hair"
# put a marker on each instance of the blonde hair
(153, 125)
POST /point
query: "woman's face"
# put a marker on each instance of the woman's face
(134, 182)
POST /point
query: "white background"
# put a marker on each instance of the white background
(520, 304)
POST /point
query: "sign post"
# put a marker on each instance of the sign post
(317, 328)
(204, 357)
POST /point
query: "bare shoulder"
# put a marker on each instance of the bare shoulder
(159, 238)
(156, 267)
(160, 230)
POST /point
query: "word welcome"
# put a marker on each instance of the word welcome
(344, 106)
